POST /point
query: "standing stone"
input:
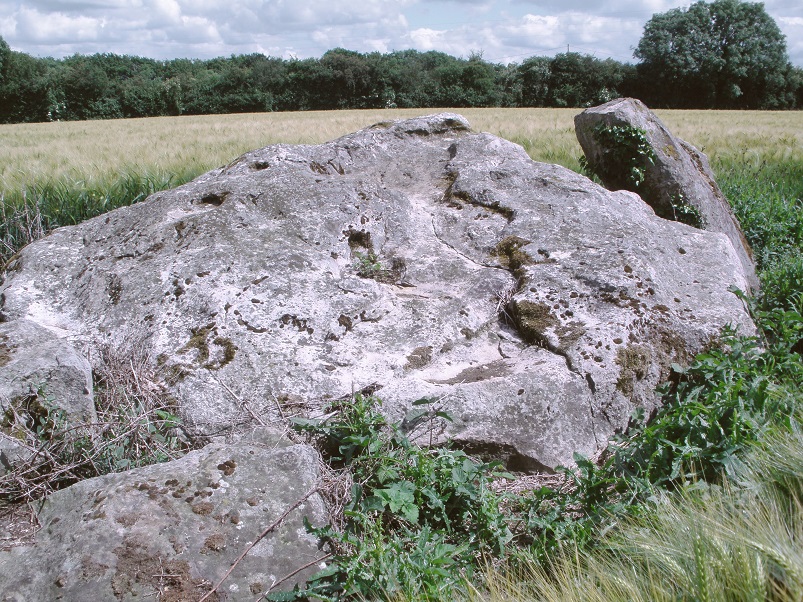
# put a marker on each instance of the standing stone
(414, 259)
(680, 174)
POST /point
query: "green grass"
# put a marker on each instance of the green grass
(768, 200)
(31, 212)
(738, 542)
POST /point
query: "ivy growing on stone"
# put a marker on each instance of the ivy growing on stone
(624, 162)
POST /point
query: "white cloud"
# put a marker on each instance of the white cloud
(56, 28)
(792, 27)
(505, 30)
(427, 39)
(164, 11)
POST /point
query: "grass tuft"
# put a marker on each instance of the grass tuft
(737, 542)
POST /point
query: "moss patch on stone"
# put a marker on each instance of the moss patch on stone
(229, 351)
(508, 251)
(634, 363)
(532, 319)
(200, 343)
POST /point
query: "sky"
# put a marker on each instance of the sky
(502, 31)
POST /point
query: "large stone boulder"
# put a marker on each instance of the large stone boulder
(171, 531)
(678, 181)
(413, 259)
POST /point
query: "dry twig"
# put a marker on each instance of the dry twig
(267, 530)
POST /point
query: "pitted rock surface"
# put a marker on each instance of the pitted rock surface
(415, 259)
(679, 172)
(171, 531)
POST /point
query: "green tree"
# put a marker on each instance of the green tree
(534, 74)
(352, 82)
(5, 52)
(508, 85)
(726, 54)
(87, 89)
(26, 88)
(581, 80)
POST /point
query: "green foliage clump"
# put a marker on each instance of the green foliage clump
(627, 154)
(416, 520)
(367, 265)
(713, 410)
(556, 519)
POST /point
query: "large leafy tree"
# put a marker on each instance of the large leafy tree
(581, 80)
(726, 54)
(5, 52)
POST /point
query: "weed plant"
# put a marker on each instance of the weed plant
(416, 519)
(624, 163)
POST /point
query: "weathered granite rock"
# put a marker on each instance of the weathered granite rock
(174, 528)
(33, 357)
(414, 258)
(679, 173)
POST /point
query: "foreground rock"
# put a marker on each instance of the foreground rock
(173, 530)
(33, 358)
(413, 259)
(678, 179)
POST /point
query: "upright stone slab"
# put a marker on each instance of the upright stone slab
(679, 174)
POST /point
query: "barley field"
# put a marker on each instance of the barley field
(95, 151)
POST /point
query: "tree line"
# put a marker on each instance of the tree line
(727, 54)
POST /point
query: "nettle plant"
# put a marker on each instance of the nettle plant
(627, 155)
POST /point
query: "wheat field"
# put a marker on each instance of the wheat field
(96, 150)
